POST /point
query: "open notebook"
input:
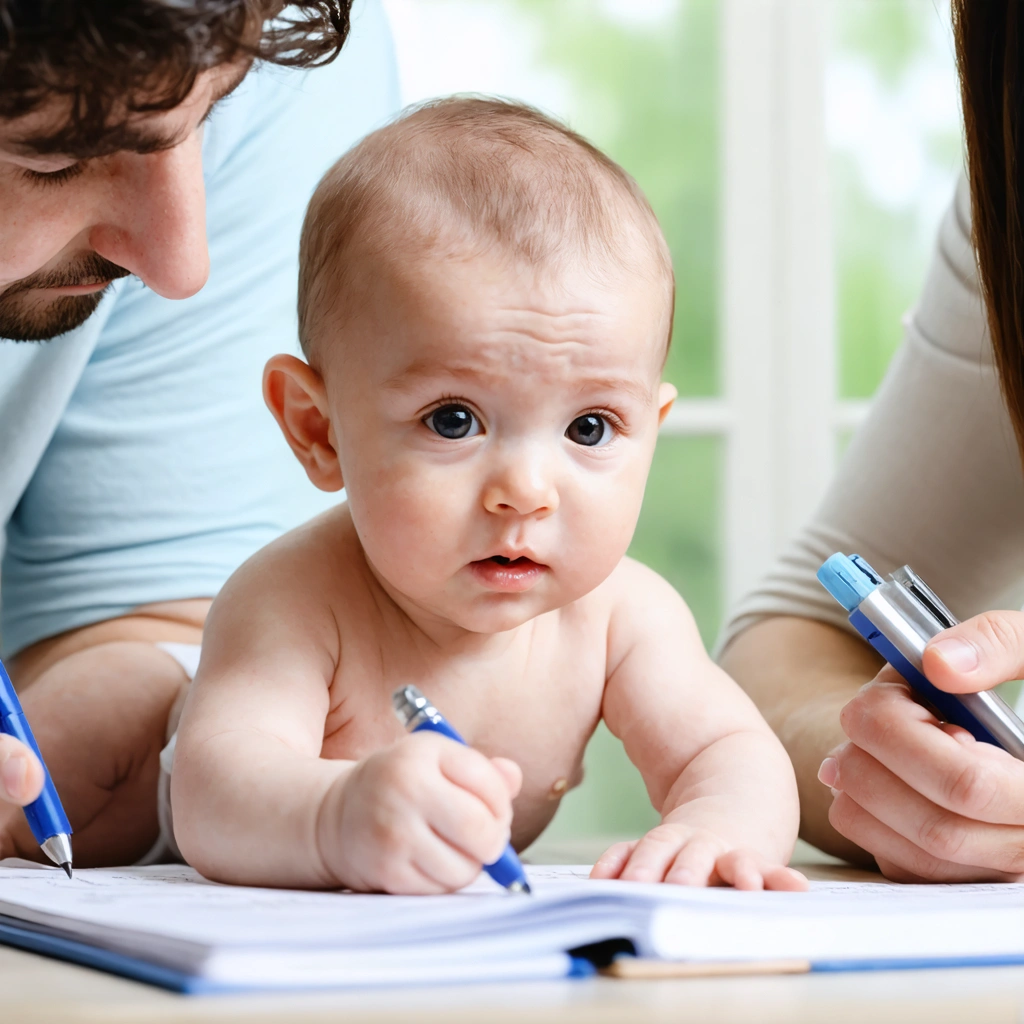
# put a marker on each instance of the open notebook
(167, 925)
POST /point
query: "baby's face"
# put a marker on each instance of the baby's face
(495, 428)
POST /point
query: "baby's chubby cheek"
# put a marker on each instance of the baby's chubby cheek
(412, 522)
(595, 534)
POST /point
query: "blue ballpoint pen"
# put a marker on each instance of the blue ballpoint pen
(46, 817)
(417, 714)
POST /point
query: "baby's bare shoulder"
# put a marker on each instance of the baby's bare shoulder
(300, 577)
(315, 551)
(643, 604)
(635, 589)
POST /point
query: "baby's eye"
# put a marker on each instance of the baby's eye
(590, 430)
(453, 422)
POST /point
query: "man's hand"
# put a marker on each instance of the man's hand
(683, 855)
(21, 775)
(929, 801)
(98, 701)
(422, 816)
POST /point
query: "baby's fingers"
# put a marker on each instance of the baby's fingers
(695, 863)
(784, 879)
(745, 869)
(613, 860)
(653, 856)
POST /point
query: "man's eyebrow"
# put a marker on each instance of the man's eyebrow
(125, 137)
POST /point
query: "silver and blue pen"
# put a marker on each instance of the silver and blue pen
(46, 817)
(417, 714)
(898, 615)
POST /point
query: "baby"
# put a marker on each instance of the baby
(485, 306)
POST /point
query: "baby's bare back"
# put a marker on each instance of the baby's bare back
(532, 694)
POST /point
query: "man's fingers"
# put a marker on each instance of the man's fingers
(977, 654)
(21, 774)
(897, 857)
(976, 780)
(943, 834)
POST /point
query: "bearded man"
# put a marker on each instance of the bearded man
(155, 161)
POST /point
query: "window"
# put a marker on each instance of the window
(798, 155)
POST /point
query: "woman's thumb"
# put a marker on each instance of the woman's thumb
(977, 654)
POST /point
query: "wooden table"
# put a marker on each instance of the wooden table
(36, 989)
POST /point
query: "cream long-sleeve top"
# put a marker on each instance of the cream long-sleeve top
(933, 478)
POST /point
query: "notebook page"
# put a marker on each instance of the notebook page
(173, 916)
(170, 915)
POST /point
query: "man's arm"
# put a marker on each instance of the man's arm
(104, 753)
(801, 673)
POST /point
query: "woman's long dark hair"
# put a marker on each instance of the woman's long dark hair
(990, 57)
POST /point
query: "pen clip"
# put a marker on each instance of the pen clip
(917, 588)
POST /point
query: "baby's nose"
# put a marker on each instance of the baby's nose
(523, 486)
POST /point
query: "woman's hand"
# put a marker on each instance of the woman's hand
(929, 801)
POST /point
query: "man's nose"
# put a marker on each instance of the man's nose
(154, 223)
(523, 483)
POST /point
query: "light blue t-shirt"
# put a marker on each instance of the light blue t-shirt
(138, 462)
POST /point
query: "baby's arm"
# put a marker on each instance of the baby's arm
(718, 775)
(254, 802)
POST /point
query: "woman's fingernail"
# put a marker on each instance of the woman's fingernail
(13, 773)
(957, 654)
(828, 773)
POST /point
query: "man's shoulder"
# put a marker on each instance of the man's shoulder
(287, 115)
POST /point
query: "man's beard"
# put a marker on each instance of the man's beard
(28, 318)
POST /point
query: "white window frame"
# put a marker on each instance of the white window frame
(779, 414)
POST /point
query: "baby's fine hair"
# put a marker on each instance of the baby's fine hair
(460, 177)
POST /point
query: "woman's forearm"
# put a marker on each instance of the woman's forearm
(800, 673)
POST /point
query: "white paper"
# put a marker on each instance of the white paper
(171, 916)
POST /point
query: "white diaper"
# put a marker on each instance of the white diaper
(165, 849)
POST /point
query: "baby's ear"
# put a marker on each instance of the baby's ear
(667, 394)
(295, 394)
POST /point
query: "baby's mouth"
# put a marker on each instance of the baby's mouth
(499, 572)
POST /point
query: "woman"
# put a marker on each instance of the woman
(933, 479)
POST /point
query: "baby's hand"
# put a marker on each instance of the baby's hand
(685, 855)
(419, 817)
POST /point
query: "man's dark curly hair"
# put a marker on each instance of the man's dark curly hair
(110, 59)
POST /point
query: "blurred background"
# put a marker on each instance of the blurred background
(799, 155)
